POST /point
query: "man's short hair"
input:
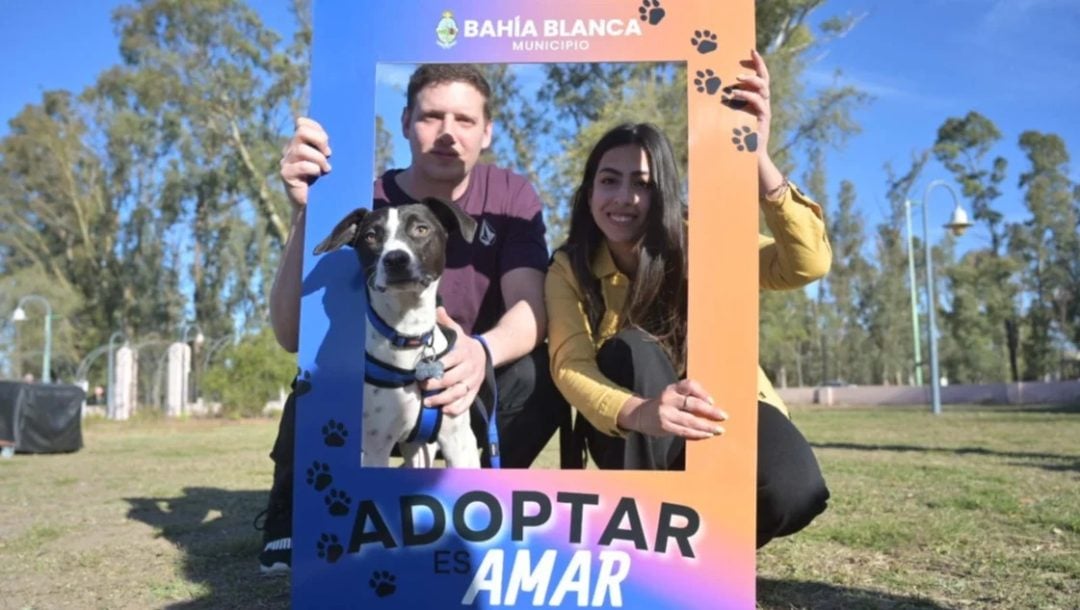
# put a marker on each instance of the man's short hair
(437, 74)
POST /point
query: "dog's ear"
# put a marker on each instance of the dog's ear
(344, 233)
(452, 217)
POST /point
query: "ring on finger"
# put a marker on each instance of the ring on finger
(685, 399)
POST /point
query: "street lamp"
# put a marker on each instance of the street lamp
(215, 345)
(199, 338)
(109, 392)
(19, 315)
(957, 224)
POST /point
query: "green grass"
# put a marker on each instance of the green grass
(976, 508)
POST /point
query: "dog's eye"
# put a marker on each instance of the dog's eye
(421, 230)
(370, 236)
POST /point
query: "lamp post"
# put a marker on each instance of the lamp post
(19, 315)
(957, 224)
(215, 345)
(109, 392)
(914, 299)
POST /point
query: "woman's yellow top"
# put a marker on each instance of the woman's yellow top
(797, 254)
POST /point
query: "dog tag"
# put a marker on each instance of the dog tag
(429, 368)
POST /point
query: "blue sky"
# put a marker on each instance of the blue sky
(926, 60)
(1014, 61)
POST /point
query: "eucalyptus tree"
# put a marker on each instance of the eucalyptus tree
(985, 284)
(1048, 246)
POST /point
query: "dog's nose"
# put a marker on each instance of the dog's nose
(396, 259)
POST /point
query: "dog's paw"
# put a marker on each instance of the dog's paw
(383, 583)
(704, 41)
(650, 11)
(303, 383)
(319, 476)
(744, 139)
(329, 548)
(338, 503)
(334, 434)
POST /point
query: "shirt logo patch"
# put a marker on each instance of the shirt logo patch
(487, 234)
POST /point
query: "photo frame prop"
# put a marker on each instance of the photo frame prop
(441, 538)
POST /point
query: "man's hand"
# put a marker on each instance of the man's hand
(465, 369)
(304, 159)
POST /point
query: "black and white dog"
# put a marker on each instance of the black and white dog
(402, 251)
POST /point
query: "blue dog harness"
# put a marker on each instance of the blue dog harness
(383, 375)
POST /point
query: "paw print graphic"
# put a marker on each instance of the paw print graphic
(707, 82)
(334, 434)
(744, 139)
(303, 383)
(650, 11)
(319, 476)
(704, 40)
(329, 548)
(382, 583)
(730, 101)
(338, 502)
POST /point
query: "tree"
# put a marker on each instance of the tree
(888, 318)
(384, 147)
(824, 332)
(987, 288)
(1048, 245)
(801, 121)
(961, 146)
(222, 81)
(975, 346)
(784, 346)
(849, 285)
(161, 175)
(86, 220)
(252, 372)
(810, 124)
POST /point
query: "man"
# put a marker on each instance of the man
(492, 288)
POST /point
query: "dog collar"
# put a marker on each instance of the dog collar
(394, 337)
(383, 375)
(377, 372)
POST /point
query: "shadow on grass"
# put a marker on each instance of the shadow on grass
(797, 595)
(1064, 408)
(213, 529)
(1053, 461)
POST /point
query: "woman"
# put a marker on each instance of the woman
(616, 298)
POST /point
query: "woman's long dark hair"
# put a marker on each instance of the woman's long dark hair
(656, 302)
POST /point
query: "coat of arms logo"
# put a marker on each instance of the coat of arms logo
(447, 30)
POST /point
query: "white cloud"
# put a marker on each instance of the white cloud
(394, 75)
(880, 87)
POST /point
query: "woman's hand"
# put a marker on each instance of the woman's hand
(753, 88)
(682, 409)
